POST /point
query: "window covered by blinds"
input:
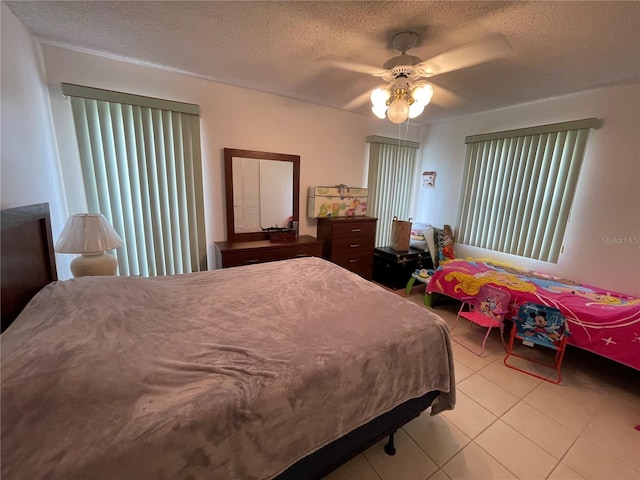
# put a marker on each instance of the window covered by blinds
(142, 169)
(391, 168)
(519, 186)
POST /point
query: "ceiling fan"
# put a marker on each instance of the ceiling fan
(406, 93)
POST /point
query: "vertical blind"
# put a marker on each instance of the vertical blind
(519, 186)
(391, 170)
(142, 169)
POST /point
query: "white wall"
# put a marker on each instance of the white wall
(28, 157)
(606, 207)
(330, 142)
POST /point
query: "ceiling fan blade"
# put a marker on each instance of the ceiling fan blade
(361, 99)
(463, 57)
(358, 101)
(354, 66)
(445, 98)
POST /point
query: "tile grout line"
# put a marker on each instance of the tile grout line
(372, 465)
(597, 447)
(421, 449)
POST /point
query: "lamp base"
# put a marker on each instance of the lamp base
(91, 264)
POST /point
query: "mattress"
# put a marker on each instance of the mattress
(234, 373)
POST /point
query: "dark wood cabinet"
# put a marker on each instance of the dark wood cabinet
(349, 242)
(233, 254)
(393, 268)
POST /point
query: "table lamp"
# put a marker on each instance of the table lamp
(90, 235)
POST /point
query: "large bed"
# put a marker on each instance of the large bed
(603, 322)
(279, 370)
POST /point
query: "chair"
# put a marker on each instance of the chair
(543, 326)
(486, 309)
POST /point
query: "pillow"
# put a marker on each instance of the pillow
(418, 238)
(419, 244)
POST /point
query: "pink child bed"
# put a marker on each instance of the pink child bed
(606, 323)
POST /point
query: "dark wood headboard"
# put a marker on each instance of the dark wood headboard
(27, 258)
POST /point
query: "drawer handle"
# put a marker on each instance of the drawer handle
(355, 230)
(355, 245)
(302, 255)
(252, 261)
(354, 261)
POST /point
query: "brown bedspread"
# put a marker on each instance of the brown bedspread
(229, 374)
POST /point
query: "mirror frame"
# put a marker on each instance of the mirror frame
(229, 153)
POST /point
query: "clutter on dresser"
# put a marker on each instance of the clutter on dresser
(277, 234)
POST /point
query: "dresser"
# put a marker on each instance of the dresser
(349, 242)
(233, 254)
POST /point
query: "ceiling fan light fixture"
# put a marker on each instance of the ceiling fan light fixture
(416, 109)
(398, 110)
(379, 97)
(423, 94)
(406, 94)
(380, 111)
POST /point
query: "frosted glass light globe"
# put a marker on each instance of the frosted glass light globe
(379, 97)
(398, 110)
(423, 94)
(379, 111)
(416, 109)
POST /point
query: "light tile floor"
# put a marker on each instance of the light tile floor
(509, 425)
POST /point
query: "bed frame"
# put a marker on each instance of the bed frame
(27, 256)
(28, 265)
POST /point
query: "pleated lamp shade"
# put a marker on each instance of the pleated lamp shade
(91, 235)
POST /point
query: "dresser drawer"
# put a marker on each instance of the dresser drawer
(354, 230)
(363, 269)
(352, 246)
(303, 251)
(250, 257)
(349, 261)
(361, 264)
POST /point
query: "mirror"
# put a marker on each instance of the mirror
(262, 191)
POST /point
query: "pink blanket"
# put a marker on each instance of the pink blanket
(606, 323)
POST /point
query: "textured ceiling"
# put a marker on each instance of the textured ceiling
(279, 47)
